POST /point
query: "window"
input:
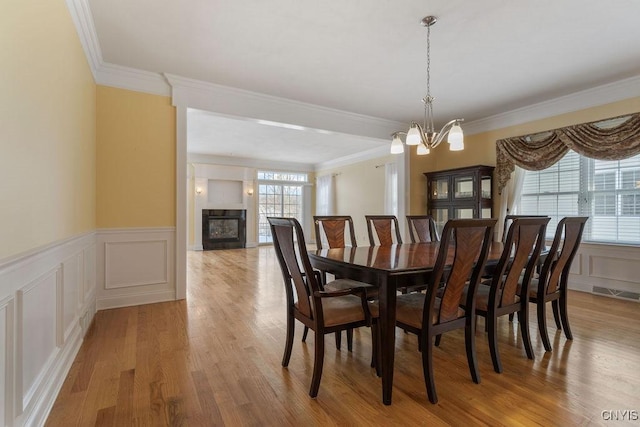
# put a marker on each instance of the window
(279, 194)
(606, 191)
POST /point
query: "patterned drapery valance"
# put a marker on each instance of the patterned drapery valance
(616, 138)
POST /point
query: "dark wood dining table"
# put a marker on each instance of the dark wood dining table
(388, 268)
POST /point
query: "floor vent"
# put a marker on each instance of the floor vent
(633, 296)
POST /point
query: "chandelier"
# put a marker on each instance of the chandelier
(425, 136)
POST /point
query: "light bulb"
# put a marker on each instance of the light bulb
(456, 138)
(422, 150)
(396, 145)
(413, 136)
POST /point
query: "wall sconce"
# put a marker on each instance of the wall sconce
(198, 190)
(250, 192)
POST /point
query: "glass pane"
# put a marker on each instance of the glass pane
(463, 187)
(486, 187)
(486, 213)
(464, 213)
(440, 189)
(440, 216)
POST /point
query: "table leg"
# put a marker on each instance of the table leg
(387, 295)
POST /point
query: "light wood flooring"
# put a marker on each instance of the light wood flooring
(214, 359)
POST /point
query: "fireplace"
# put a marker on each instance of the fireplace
(223, 228)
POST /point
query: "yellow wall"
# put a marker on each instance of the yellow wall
(360, 192)
(481, 148)
(47, 127)
(136, 160)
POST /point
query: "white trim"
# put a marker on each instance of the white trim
(49, 274)
(243, 103)
(374, 153)
(140, 298)
(182, 207)
(132, 79)
(139, 275)
(83, 20)
(253, 105)
(600, 95)
(249, 163)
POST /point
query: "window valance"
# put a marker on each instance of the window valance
(616, 138)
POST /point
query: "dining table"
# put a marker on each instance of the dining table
(388, 268)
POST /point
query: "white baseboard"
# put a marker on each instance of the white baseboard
(117, 301)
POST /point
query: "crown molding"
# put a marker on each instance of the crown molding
(105, 73)
(594, 97)
(83, 21)
(248, 163)
(132, 79)
(246, 104)
(374, 153)
(235, 102)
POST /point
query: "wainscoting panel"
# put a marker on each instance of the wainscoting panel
(608, 270)
(47, 301)
(6, 360)
(130, 264)
(135, 266)
(37, 329)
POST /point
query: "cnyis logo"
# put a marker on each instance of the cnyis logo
(620, 415)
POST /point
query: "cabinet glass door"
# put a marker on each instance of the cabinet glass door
(486, 187)
(440, 189)
(440, 217)
(464, 213)
(463, 187)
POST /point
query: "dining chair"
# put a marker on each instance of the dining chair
(385, 227)
(461, 258)
(422, 228)
(508, 289)
(508, 219)
(336, 231)
(551, 285)
(320, 310)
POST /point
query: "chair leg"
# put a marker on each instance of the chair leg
(493, 342)
(304, 333)
(470, 344)
(564, 317)
(350, 339)
(556, 313)
(317, 363)
(375, 348)
(438, 338)
(542, 324)
(338, 339)
(523, 319)
(289, 340)
(427, 366)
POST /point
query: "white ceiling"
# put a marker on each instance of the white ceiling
(369, 57)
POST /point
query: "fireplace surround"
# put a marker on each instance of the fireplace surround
(223, 228)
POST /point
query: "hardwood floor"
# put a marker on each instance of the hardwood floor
(214, 359)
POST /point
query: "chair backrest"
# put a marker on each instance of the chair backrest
(522, 247)
(334, 229)
(464, 246)
(555, 269)
(422, 228)
(509, 219)
(291, 251)
(385, 227)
